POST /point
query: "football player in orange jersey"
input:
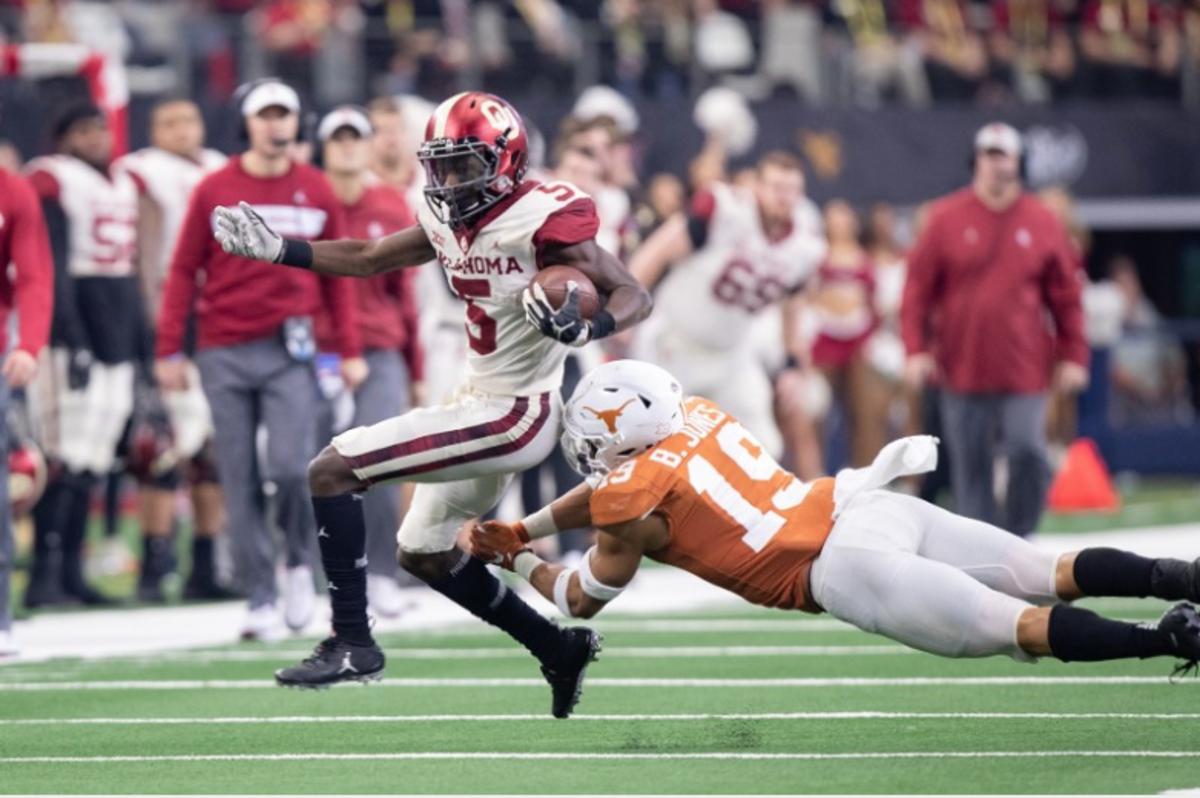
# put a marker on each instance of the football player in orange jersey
(682, 482)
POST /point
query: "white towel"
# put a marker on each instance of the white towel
(905, 457)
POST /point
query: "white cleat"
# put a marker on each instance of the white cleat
(385, 597)
(8, 644)
(299, 598)
(262, 624)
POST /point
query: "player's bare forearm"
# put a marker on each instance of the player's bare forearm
(364, 258)
(573, 510)
(627, 300)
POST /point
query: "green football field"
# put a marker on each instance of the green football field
(745, 702)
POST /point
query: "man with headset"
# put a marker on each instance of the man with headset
(254, 348)
(991, 265)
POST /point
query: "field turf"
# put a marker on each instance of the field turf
(754, 701)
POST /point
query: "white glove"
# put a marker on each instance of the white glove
(241, 231)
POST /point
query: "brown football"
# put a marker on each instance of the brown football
(554, 279)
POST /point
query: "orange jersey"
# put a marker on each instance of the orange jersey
(736, 518)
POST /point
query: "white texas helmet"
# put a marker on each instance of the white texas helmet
(618, 411)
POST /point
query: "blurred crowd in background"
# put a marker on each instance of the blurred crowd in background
(830, 411)
(825, 52)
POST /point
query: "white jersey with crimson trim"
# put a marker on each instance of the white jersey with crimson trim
(489, 266)
(168, 179)
(101, 214)
(714, 296)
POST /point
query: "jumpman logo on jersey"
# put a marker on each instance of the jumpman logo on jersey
(321, 533)
(609, 417)
(346, 666)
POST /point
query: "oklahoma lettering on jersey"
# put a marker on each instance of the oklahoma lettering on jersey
(737, 519)
(101, 214)
(714, 296)
(489, 266)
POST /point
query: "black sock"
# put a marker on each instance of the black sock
(158, 556)
(1079, 635)
(79, 491)
(1112, 572)
(342, 536)
(204, 561)
(471, 586)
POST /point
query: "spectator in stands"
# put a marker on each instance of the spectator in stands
(877, 64)
(1131, 48)
(292, 31)
(992, 264)
(1031, 46)
(388, 320)
(954, 52)
(255, 346)
(28, 288)
(1148, 370)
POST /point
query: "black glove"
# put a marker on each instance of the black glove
(79, 369)
(565, 324)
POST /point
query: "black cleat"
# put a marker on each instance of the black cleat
(205, 590)
(1175, 579)
(332, 661)
(1182, 623)
(579, 648)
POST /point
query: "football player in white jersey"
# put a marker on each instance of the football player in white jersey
(165, 174)
(491, 230)
(83, 393)
(737, 254)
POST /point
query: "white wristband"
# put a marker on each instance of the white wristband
(560, 591)
(525, 562)
(540, 524)
(590, 584)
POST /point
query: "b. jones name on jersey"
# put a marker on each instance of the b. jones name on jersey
(478, 264)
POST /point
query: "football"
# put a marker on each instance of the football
(554, 279)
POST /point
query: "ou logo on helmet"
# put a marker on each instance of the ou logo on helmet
(498, 115)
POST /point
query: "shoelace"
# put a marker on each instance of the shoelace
(319, 652)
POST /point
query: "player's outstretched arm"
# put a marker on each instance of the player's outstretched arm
(603, 572)
(242, 231)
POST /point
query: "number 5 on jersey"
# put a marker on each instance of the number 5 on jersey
(482, 338)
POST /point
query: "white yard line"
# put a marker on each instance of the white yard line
(401, 653)
(913, 681)
(654, 592)
(601, 718)
(590, 755)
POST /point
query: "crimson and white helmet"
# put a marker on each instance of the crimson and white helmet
(475, 153)
(27, 475)
(618, 411)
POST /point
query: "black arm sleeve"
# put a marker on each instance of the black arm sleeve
(697, 230)
(66, 326)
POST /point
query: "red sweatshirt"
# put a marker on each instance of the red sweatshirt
(243, 300)
(387, 303)
(25, 244)
(996, 297)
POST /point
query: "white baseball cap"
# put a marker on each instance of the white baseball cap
(998, 136)
(269, 94)
(345, 116)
